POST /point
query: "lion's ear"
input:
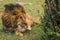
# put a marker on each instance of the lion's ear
(23, 11)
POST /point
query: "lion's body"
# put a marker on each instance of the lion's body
(9, 22)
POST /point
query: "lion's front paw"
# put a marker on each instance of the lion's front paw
(18, 33)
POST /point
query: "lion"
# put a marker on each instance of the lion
(15, 19)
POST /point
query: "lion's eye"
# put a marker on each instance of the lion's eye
(14, 13)
(24, 23)
(20, 17)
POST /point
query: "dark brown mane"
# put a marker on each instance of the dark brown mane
(10, 7)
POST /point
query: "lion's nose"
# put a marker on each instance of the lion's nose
(29, 28)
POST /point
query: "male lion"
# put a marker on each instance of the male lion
(16, 19)
(13, 14)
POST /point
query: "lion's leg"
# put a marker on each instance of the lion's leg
(17, 32)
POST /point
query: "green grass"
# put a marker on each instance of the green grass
(37, 31)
